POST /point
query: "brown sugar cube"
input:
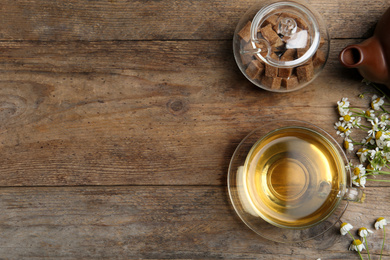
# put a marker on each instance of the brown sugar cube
(270, 35)
(271, 71)
(305, 73)
(319, 59)
(272, 20)
(288, 55)
(301, 52)
(246, 58)
(245, 32)
(285, 72)
(290, 83)
(272, 83)
(278, 45)
(255, 69)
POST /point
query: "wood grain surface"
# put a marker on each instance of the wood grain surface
(118, 120)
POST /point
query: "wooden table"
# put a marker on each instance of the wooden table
(119, 118)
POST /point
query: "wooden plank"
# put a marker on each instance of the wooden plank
(86, 20)
(154, 222)
(70, 117)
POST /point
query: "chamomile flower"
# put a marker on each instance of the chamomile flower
(380, 222)
(343, 106)
(359, 178)
(362, 154)
(379, 135)
(347, 118)
(356, 122)
(384, 120)
(342, 129)
(358, 171)
(380, 138)
(360, 181)
(356, 245)
(375, 126)
(377, 102)
(363, 232)
(345, 228)
(348, 145)
(369, 114)
(368, 140)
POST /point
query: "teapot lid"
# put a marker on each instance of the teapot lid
(283, 26)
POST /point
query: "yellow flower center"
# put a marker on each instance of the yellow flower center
(344, 224)
(356, 171)
(368, 113)
(357, 242)
(346, 145)
(341, 128)
(347, 118)
(380, 219)
(378, 134)
(362, 228)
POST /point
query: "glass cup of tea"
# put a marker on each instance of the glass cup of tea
(288, 182)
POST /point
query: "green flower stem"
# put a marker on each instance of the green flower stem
(351, 235)
(365, 126)
(354, 142)
(384, 109)
(383, 244)
(368, 252)
(381, 172)
(357, 113)
(378, 180)
(361, 257)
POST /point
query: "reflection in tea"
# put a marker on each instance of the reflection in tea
(293, 177)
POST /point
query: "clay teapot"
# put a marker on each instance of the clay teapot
(372, 56)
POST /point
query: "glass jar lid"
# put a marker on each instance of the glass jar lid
(281, 27)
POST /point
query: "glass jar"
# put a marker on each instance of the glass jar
(281, 46)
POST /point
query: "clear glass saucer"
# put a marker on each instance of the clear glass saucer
(256, 222)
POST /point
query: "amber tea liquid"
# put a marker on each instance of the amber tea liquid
(293, 177)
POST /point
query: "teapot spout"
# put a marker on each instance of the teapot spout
(351, 56)
(368, 57)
